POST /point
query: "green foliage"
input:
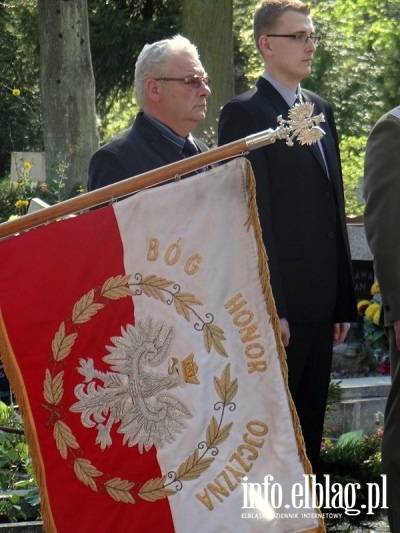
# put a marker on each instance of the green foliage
(357, 64)
(120, 116)
(16, 471)
(16, 196)
(377, 337)
(352, 150)
(355, 458)
(350, 438)
(118, 31)
(20, 125)
(247, 60)
(334, 394)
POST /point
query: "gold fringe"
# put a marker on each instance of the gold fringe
(14, 376)
(263, 269)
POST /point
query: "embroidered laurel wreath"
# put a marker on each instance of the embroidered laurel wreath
(226, 388)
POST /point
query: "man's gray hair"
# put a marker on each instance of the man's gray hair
(154, 61)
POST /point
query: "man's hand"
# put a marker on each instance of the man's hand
(396, 326)
(340, 332)
(285, 331)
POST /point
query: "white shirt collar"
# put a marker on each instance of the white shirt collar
(287, 94)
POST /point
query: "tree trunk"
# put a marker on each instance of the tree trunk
(208, 24)
(67, 91)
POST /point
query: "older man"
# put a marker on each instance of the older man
(171, 88)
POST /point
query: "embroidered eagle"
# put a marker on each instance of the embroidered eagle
(133, 393)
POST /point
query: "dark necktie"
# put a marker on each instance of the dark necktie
(189, 148)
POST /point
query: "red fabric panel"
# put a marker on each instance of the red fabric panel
(43, 274)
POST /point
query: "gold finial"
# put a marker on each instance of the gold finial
(300, 125)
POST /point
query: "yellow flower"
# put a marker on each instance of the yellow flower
(16, 92)
(375, 288)
(327, 443)
(27, 166)
(13, 217)
(375, 317)
(371, 310)
(19, 204)
(362, 306)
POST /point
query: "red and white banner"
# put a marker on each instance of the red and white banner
(141, 342)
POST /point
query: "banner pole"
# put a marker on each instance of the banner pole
(300, 124)
(120, 189)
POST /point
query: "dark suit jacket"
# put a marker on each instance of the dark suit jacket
(301, 209)
(139, 149)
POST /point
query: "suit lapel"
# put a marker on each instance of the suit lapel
(167, 150)
(275, 99)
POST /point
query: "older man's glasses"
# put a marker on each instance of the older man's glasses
(194, 82)
(300, 38)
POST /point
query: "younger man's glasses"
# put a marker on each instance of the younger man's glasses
(300, 38)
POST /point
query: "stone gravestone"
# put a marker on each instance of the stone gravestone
(361, 257)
